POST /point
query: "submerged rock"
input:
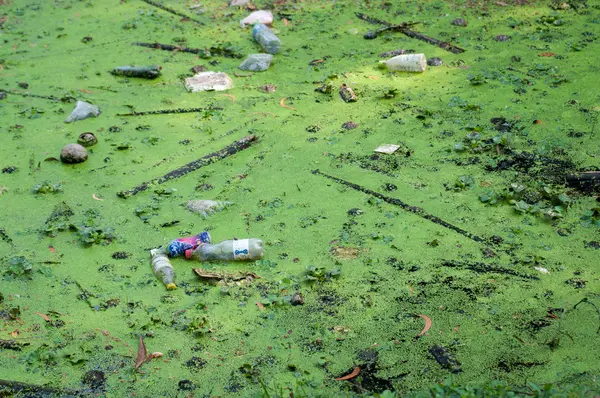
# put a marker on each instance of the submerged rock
(82, 110)
(73, 153)
(459, 22)
(435, 61)
(206, 207)
(208, 81)
(257, 62)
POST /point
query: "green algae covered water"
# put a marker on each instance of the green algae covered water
(472, 225)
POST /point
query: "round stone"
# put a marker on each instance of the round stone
(435, 61)
(73, 153)
(459, 22)
(502, 38)
(87, 139)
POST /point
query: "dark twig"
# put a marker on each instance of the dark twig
(172, 11)
(47, 97)
(12, 345)
(229, 150)
(586, 300)
(484, 268)
(404, 28)
(202, 52)
(4, 236)
(33, 390)
(169, 111)
(397, 202)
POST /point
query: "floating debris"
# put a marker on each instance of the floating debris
(387, 148)
(145, 72)
(406, 63)
(435, 61)
(256, 62)
(261, 16)
(87, 139)
(459, 22)
(208, 81)
(83, 110)
(347, 94)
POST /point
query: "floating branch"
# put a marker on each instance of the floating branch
(397, 202)
(172, 11)
(586, 181)
(30, 390)
(483, 268)
(229, 150)
(145, 72)
(47, 97)
(404, 28)
(169, 111)
(203, 52)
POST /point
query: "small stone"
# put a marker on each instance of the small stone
(82, 110)
(2, 95)
(502, 38)
(459, 22)
(297, 299)
(257, 62)
(208, 81)
(87, 139)
(347, 94)
(435, 61)
(24, 85)
(94, 379)
(350, 125)
(73, 153)
(268, 88)
(198, 68)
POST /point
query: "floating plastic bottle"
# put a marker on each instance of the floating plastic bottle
(266, 38)
(230, 250)
(162, 268)
(186, 246)
(406, 63)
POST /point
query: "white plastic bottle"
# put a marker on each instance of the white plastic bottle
(162, 268)
(230, 250)
(406, 63)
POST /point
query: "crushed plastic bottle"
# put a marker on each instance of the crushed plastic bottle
(162, 268)
(266, 38)
(406, 63)
(185, 246)
(230, 250)
(83, 110)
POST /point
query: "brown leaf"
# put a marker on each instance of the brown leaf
(427, 325)
(46, 317)
(141, 355)
(352, 375)
(153, 355)
(260, 306)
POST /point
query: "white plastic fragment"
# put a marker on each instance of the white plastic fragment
(260, 16)
(256, 62)
(208, 81)
(238, 3)
(82, 110)
(406, 63)
(542, 270)
(387, 148)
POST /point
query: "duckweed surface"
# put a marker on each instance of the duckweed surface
(486, 142)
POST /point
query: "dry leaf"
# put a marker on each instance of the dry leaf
(141, 355)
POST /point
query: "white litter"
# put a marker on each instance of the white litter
(387, 148)
(261, 16)
(208, 81)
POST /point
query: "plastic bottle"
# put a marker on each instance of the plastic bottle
(238, 250)
(185, 246)
(406, 63)
(266, 38)
(162, 268)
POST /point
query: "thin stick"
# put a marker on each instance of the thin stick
(203, 52)
(404, 28)
(397, 202)
(16, 387)
(47, 97)
(168, 111)
(172, 11)
(229, 150)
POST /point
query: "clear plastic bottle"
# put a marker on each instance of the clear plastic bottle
(230, 250)
(406, 63)
(162, 268)
(266, 38)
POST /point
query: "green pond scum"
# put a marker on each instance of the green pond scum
(364, 251)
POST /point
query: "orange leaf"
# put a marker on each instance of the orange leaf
(427, 325)
(352, 375)
(546, 54)
(46, 317)
(52, 249)
(282, 103)
(260, 306)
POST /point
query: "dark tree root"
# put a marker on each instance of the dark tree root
(211, 158)
(203, 52)
(397, 202)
